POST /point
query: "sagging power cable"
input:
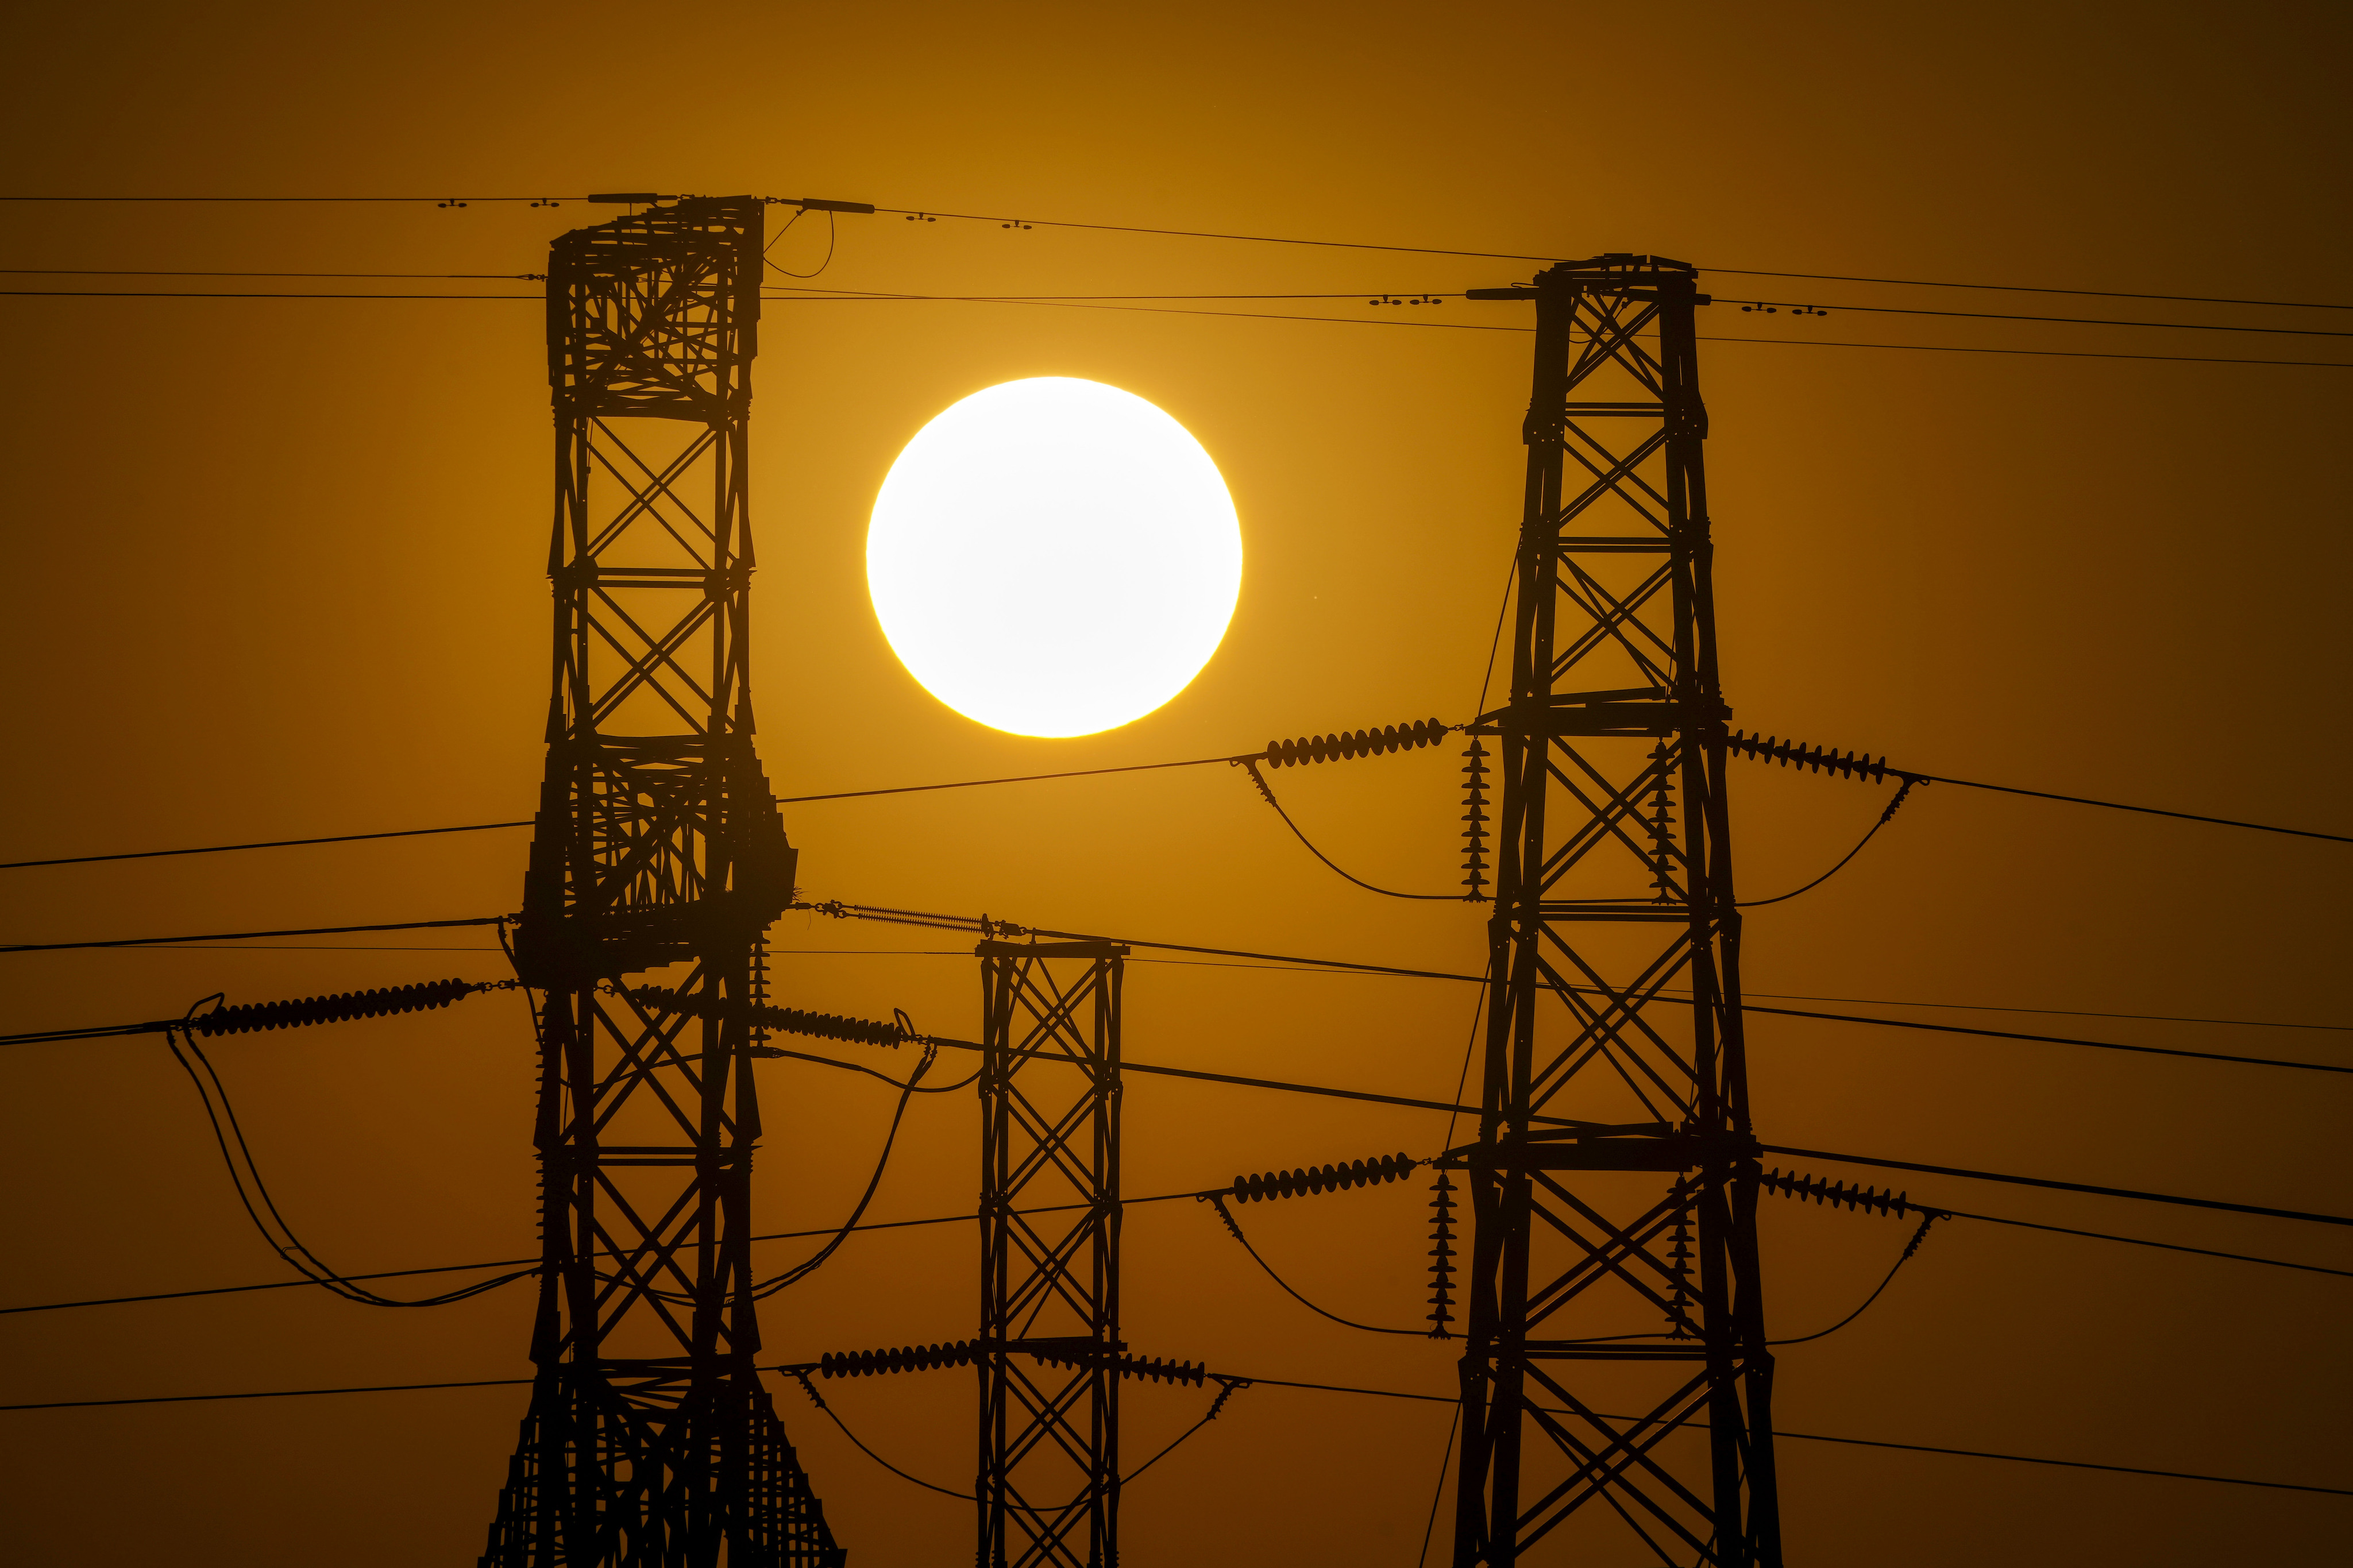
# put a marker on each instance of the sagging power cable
(1838, 1194)
(1272, 1185)
(1233, 1228)
(1895, 804)
(763, 1289)
(237, 1154)
(1268, 795)
(1226, 1388)
(822, 1025)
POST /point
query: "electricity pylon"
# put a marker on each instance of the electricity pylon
(649, 1440)
(1049, 1350)
(1614, 1146)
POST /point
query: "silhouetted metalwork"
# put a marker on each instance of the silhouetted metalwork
(1049, 1095)
(1612, 885)
(1268, 1186)
(649, 1439)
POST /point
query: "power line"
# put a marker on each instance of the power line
(1238, 315)
(395, 201)
(1854, 765)
(1306, 967)
(957, 922)
(1481, 327)
(2144, 1241)
(511, 1262)
(304, 947)
(2033, 288)
(1822, 1437)
(1312, 967)
(1269, 1381)
(1508, 256)
(1370, 296)
(2051, 1011)
(2143, 810)
(238, 294)
(964, 924)
(1433, 296)
(919, 213)
(1095, 773)
(1895, 805)
(2048, 1039)
(865, 1226)
(2031, 353)
(1021, 778)
(2074, 320)
(1234, 1229)
(2057, 1186)
(187, 272)
(265, 844)
(268, 1393)
(1231, 1080)
(238, 935)
(1927, 1219)
(1287, 968)
(1182, 311)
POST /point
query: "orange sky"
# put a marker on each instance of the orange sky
(277, 569)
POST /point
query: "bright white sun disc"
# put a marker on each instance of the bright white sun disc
(1054, 557)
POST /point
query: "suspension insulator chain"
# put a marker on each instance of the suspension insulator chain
(963, 1352)
(1354, 744)
(1323, 1178)
(905, 1358)
(1475, 820)
(1821, 759)
(1679, 1256)
(1661, 821)
(1125, 1365)
(788, 1020)
(1839, 1195)
(251, 1015)
(1441, 1257)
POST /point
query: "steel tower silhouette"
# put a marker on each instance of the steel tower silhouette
(1049, 1350)
(1614, 1149)
(649, 1439)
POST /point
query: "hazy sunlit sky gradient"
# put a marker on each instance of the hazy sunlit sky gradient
(277, 568)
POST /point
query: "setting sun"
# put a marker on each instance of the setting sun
(1054, 557)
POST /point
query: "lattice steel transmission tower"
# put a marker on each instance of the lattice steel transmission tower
(1614, 1148)
(649, 1439)
(1049, 1095)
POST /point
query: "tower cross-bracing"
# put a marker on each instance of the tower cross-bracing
(1049, 1350)
(649, 1439)
(1612, 1292)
